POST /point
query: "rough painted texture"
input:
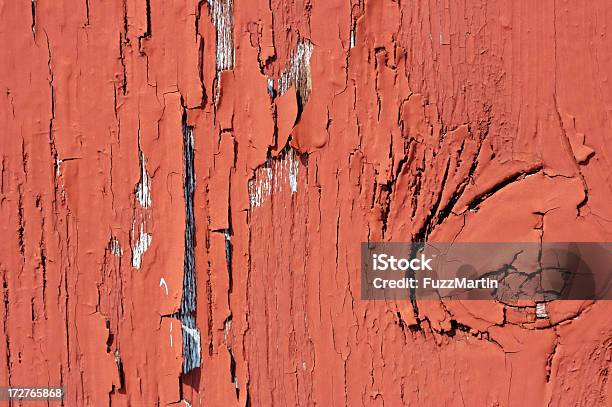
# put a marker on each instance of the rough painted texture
(314, 126)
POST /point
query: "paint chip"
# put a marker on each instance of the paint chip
(140, 247)
(272, 176)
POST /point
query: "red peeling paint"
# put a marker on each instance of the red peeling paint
(316, 126)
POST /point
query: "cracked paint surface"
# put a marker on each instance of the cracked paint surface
(239, 152)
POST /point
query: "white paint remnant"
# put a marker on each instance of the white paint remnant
(162, 282)
(115, 247)
(195, 335)
(260, 187)
(293, 173)
(140, 247)
(143, 188)
(191, 343)
(541, 310)
(271, 87)
(297, 71)
(221, 13)
(271, 178)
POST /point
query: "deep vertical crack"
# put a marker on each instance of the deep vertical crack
(191, 334)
